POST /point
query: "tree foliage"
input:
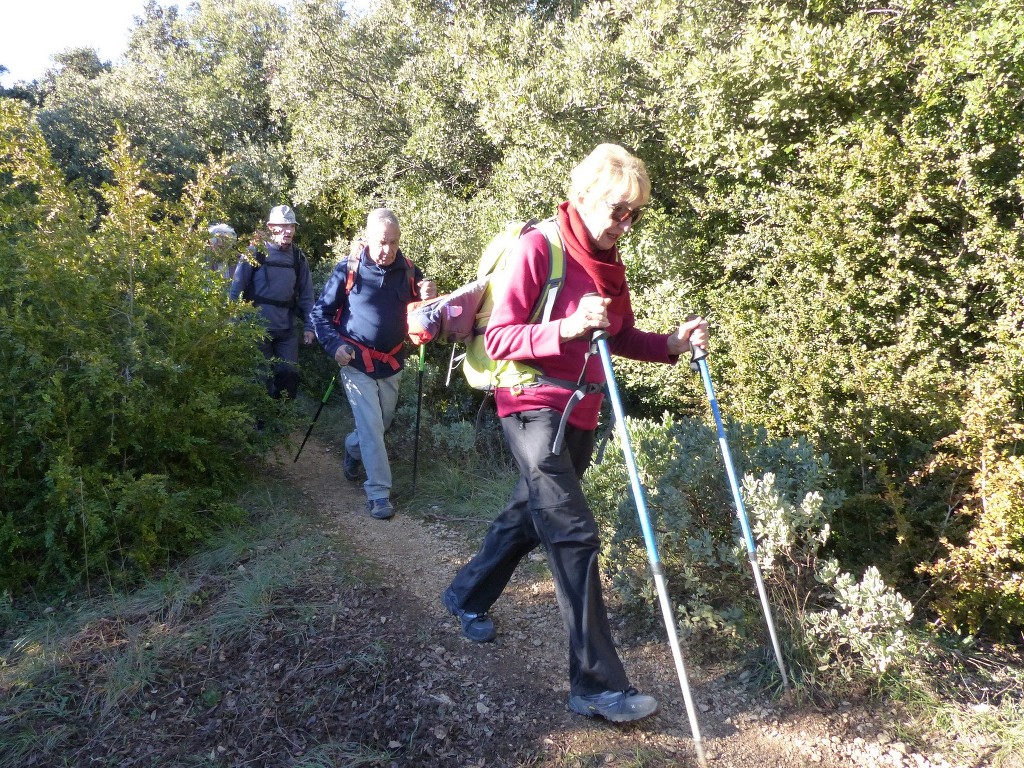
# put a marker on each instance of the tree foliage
(836, 185)
(194, 87)
(128, 389)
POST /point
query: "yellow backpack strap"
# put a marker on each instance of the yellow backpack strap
(556, 272)
(498, 248)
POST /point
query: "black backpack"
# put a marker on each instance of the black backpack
(257, 256)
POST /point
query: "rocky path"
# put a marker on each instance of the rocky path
(513, 691)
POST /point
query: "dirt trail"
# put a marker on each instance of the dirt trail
(523, 677)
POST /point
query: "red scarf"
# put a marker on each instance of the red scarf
(605, 268)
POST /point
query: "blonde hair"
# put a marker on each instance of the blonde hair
(610, 171)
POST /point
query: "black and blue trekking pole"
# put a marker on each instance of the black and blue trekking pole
(600, 339)
(698, 362)
(419, 400)
(320, 407)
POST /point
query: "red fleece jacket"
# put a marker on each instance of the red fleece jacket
(510, 335)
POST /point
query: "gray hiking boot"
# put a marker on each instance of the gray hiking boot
(617, 706)
(380, 509)
(478, 627)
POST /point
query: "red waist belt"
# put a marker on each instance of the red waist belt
(370, 354)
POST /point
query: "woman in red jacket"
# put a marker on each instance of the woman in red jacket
(606, 196)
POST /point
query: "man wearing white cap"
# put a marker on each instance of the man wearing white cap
(221, 250)
(275, 277)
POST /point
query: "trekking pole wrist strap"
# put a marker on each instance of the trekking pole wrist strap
(579, 391)
(589, 388)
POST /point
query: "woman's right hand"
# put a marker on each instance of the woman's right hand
(591, 315)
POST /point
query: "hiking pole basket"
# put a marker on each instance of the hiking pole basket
(600, 339)
(698, 362)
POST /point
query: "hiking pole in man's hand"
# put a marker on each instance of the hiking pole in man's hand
(320, 407)
(600, 340)
(419, 400)
(698, 362)
(323, 401)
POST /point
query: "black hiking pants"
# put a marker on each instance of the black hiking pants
(281, 348)
(548, 507)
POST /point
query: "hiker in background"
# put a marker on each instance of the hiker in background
(360, 321)
(607, 192)
(221, 253)
(274, 275)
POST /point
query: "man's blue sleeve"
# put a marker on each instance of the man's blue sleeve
(243, 274)
(321, 317)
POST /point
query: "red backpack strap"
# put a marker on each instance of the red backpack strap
(353, 268)
(410, 272)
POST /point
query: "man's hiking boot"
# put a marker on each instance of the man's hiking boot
(617, 706)
(478, 627)
(350, 466)
(380, 509)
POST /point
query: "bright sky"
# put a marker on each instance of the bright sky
(31, 31)
(34, 30)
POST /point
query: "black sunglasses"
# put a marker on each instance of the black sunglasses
(620, 212)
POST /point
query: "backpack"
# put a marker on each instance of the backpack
(463, 314)
(258, 258)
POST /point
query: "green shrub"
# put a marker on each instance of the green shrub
(864, 637)
(692, 511)
(834, 630)
(130, 388)
(842, 634)
(979, 579)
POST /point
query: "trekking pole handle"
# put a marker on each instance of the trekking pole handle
(599, 334)
(696, 355)
(348, 350)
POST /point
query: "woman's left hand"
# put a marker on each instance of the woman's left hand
(692, 333)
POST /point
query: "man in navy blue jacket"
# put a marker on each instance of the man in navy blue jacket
(275, 277)
(360, 321)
